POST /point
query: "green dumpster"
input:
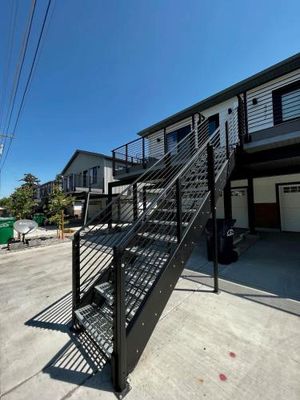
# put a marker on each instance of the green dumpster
(39, 219)
(6, 229)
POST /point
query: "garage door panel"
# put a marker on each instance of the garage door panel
(290, 207)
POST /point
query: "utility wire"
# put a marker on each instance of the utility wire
(19, 68)
(28, 81)
(21, 64)
(14, 12)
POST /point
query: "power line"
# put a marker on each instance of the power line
(14, 12)
(19, 68)
(21, 64)
(29, 79)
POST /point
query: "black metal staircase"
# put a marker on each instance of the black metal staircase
(127, 261)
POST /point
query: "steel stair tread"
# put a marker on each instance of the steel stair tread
(97, 321)
(159, 236)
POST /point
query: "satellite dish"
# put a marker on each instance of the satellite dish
(25, 226)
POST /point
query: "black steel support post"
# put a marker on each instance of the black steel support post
(144, 198)
(179, 209)
(75, 276)
(110, 210)
(241, 122)
(227, 201)
(212, 189)
(135, 202)
(227, 140)
(248, 138)
(251, 207)
(119, 355)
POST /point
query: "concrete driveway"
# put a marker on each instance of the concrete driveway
(204, 346)
(271, 266)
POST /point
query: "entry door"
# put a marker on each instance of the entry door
(239, 199)
(289, 197)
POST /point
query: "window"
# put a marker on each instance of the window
(175, 137)
(93, 175)
(70, 183)
(286, 103)
(95, 169)
(213, 123)
(84, 179)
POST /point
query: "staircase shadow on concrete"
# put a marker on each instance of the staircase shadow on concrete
(56, 317)
(79, 360)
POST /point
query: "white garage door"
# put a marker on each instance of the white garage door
(239, 200)
(289, 196)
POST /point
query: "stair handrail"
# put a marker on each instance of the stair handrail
(141, 220)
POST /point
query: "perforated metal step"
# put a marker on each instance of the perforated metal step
(98, 323)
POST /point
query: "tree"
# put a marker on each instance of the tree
(22, 203)
(58, 202)
(30, 181)
(5, 202)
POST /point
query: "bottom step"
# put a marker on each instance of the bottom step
(97, 321)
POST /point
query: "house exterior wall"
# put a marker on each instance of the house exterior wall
(260, 115)
(156, 139)
(222, 109)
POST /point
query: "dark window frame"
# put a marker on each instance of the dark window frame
(84, 178)
(213, 119)
(184, 130)
(94, 175)
(277, 101)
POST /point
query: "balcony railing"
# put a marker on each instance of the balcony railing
(144, 152)
(137, 154)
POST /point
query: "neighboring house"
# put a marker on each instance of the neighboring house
(44, 190)
(269, 168)
(86, 177)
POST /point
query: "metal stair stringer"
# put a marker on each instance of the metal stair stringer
(142, 325)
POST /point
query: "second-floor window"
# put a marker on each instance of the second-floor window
(175, 137)
(286, 103)
(94, 175)
(213, 123)
(84, 179)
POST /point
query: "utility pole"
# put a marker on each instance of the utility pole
(4, 136)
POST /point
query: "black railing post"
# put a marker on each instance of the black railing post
(114, 162)
(143, 153)
(227, 140)
(144, 198)
(178, 210)
(245, 111)
(212, 189)
(110, 209)
(135, 202)
(241, 122)
(75, 275)
(119, 355)
(126, 157)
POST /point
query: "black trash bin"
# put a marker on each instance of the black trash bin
(225, 232)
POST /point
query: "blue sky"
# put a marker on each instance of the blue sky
(111, 68)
